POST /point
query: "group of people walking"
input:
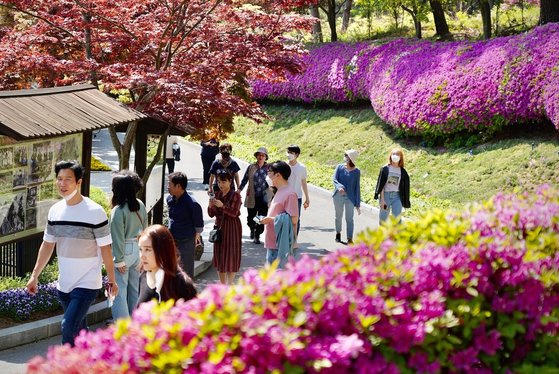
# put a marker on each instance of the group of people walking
(141, 261)
(151, 262)
(273, 201)
(393, 189)
(145, 262)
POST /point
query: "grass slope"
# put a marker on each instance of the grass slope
(518, 159)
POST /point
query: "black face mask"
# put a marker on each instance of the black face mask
(225, 154)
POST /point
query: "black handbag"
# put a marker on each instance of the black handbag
(215, 235)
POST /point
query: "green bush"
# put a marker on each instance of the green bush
(100, 197)
(49, 274)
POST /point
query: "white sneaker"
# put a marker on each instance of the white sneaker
(206, 187)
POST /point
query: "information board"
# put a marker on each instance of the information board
(27, 182)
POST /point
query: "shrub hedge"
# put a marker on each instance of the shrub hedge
(439, 88)
(454, 291)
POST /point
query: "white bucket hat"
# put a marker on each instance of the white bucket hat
(352, 154)
(261, 150)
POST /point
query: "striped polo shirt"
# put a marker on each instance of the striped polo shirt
(78, 231)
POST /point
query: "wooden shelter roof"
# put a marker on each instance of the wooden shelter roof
(28, 114)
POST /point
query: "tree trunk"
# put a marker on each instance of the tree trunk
(497, 17)
(441, 26)
(549, 11)
(123, 149)
(395, 16)
(156, 158)
(485, 8)
(316, 27)
(347, 15)
(416, 22)
(88, 54)
(332, 20)
(369, 20)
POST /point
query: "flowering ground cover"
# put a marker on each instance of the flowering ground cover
(20, 305)
(436, 88)
(455, 291)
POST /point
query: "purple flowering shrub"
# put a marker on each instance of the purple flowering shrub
(20, 305)
(436, 88)
(469, 291)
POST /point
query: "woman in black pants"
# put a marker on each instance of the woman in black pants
(210, 149)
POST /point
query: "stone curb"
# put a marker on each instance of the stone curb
(42, 329)
(46, 328)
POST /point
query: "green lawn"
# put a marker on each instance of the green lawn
(440, 176)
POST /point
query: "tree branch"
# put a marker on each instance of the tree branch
(156, 158)
(187, 33)
(50, 23)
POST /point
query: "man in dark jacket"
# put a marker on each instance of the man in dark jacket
(186, 221)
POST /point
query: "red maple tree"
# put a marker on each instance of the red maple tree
(186, 62)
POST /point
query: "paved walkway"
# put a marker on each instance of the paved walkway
(316, 237)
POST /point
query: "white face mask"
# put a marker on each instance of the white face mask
(346, 159)
(71, 195)
(290, 156)
(395, 158)
(269, 181)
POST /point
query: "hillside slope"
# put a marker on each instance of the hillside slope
(515, 160)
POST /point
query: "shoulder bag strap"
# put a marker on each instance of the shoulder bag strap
(140, 218)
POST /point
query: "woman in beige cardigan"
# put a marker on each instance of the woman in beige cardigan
(258, 192)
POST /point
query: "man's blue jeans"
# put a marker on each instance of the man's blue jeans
(341, 202)
(75, 304)
(128, 282)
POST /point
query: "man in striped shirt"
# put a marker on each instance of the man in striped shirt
(80, 230)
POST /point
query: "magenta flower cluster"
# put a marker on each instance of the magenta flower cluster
(422, 86)
(473, 291)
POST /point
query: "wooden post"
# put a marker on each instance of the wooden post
(87, 146)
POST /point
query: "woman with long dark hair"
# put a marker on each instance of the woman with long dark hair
(128, 219)
(162, 278)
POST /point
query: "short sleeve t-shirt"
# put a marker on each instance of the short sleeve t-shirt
(285, 200)
(78, 231)
(298, 173)
(393, 181)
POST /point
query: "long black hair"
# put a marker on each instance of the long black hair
(126, 185)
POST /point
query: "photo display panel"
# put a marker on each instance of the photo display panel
(27, 182)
